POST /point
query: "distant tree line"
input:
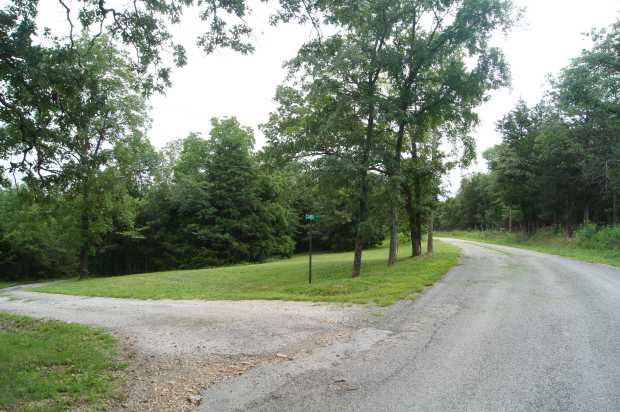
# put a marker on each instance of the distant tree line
(559, 161)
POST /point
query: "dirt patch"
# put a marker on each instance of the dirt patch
(155, 382)
(175, 382)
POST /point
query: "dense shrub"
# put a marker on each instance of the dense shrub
(606, 237)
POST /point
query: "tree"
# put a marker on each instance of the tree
(432, 85)
(245, 221)
(341, 72)
(588, 93)
(218, 208)
(85, 102)
(558, 161)
(145, 26)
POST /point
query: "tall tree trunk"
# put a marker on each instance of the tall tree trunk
(429, 240)
(398, 147)
(614, 209)
(413, 208)
(393, 254)
(359, 235)
(510, 220)
(85, 233)
(434, 145)
(410, 214)
(586, 214)
(363, 206)
(417, 207)
(417, 249)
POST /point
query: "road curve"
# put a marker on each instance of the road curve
(508, 329)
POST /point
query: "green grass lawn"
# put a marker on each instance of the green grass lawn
(284, 279)
(54, 366)
(556, 245)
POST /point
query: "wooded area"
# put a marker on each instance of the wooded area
(559, 162)
(370, 119)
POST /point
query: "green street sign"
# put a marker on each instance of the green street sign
(313, 218)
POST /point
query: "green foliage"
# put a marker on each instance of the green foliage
(38, 238)
(284, 279)
(559, 161)
(53, 366)
(307, 189)
(592, 237)
(478, 205)
(144, 26)
(219, 208)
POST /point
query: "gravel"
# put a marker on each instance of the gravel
(192, 326)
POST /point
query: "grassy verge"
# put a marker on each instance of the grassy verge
(285, 280)
(4, 284)
(54, 366)
(556, 245)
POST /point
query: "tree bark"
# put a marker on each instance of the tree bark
(417, 247)
(85, 233)
(363, 206)
(417, 207)
(414, 213)
(614, 207)
(429, 240)
(359, 235)
(393, 254)
(410, 215)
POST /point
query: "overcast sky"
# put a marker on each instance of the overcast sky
(229, 84)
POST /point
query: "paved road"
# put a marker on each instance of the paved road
(508, 330)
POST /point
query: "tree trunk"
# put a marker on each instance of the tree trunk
(417, 240)
(410, 216)
(393, 254)
(510, 220)
(363, 210)
(429, 240)
(85, 232)
(414, 213)
(614, 209)
(393, 237)
(417, 244)
(586, 214)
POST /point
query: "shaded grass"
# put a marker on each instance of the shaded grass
(282, 280)
(54, 366)
(4, 284)
(556, 245)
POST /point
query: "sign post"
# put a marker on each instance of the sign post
(310, 218)
(310, 257)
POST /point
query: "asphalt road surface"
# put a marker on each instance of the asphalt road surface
(508, 330)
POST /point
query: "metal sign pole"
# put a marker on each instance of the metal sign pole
(310, 218)
(310, 256)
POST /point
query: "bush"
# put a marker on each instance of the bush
(590, 236)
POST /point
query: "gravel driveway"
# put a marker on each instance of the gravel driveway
(192, 326)
(177, 348)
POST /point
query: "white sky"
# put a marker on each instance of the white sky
(229, 84)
